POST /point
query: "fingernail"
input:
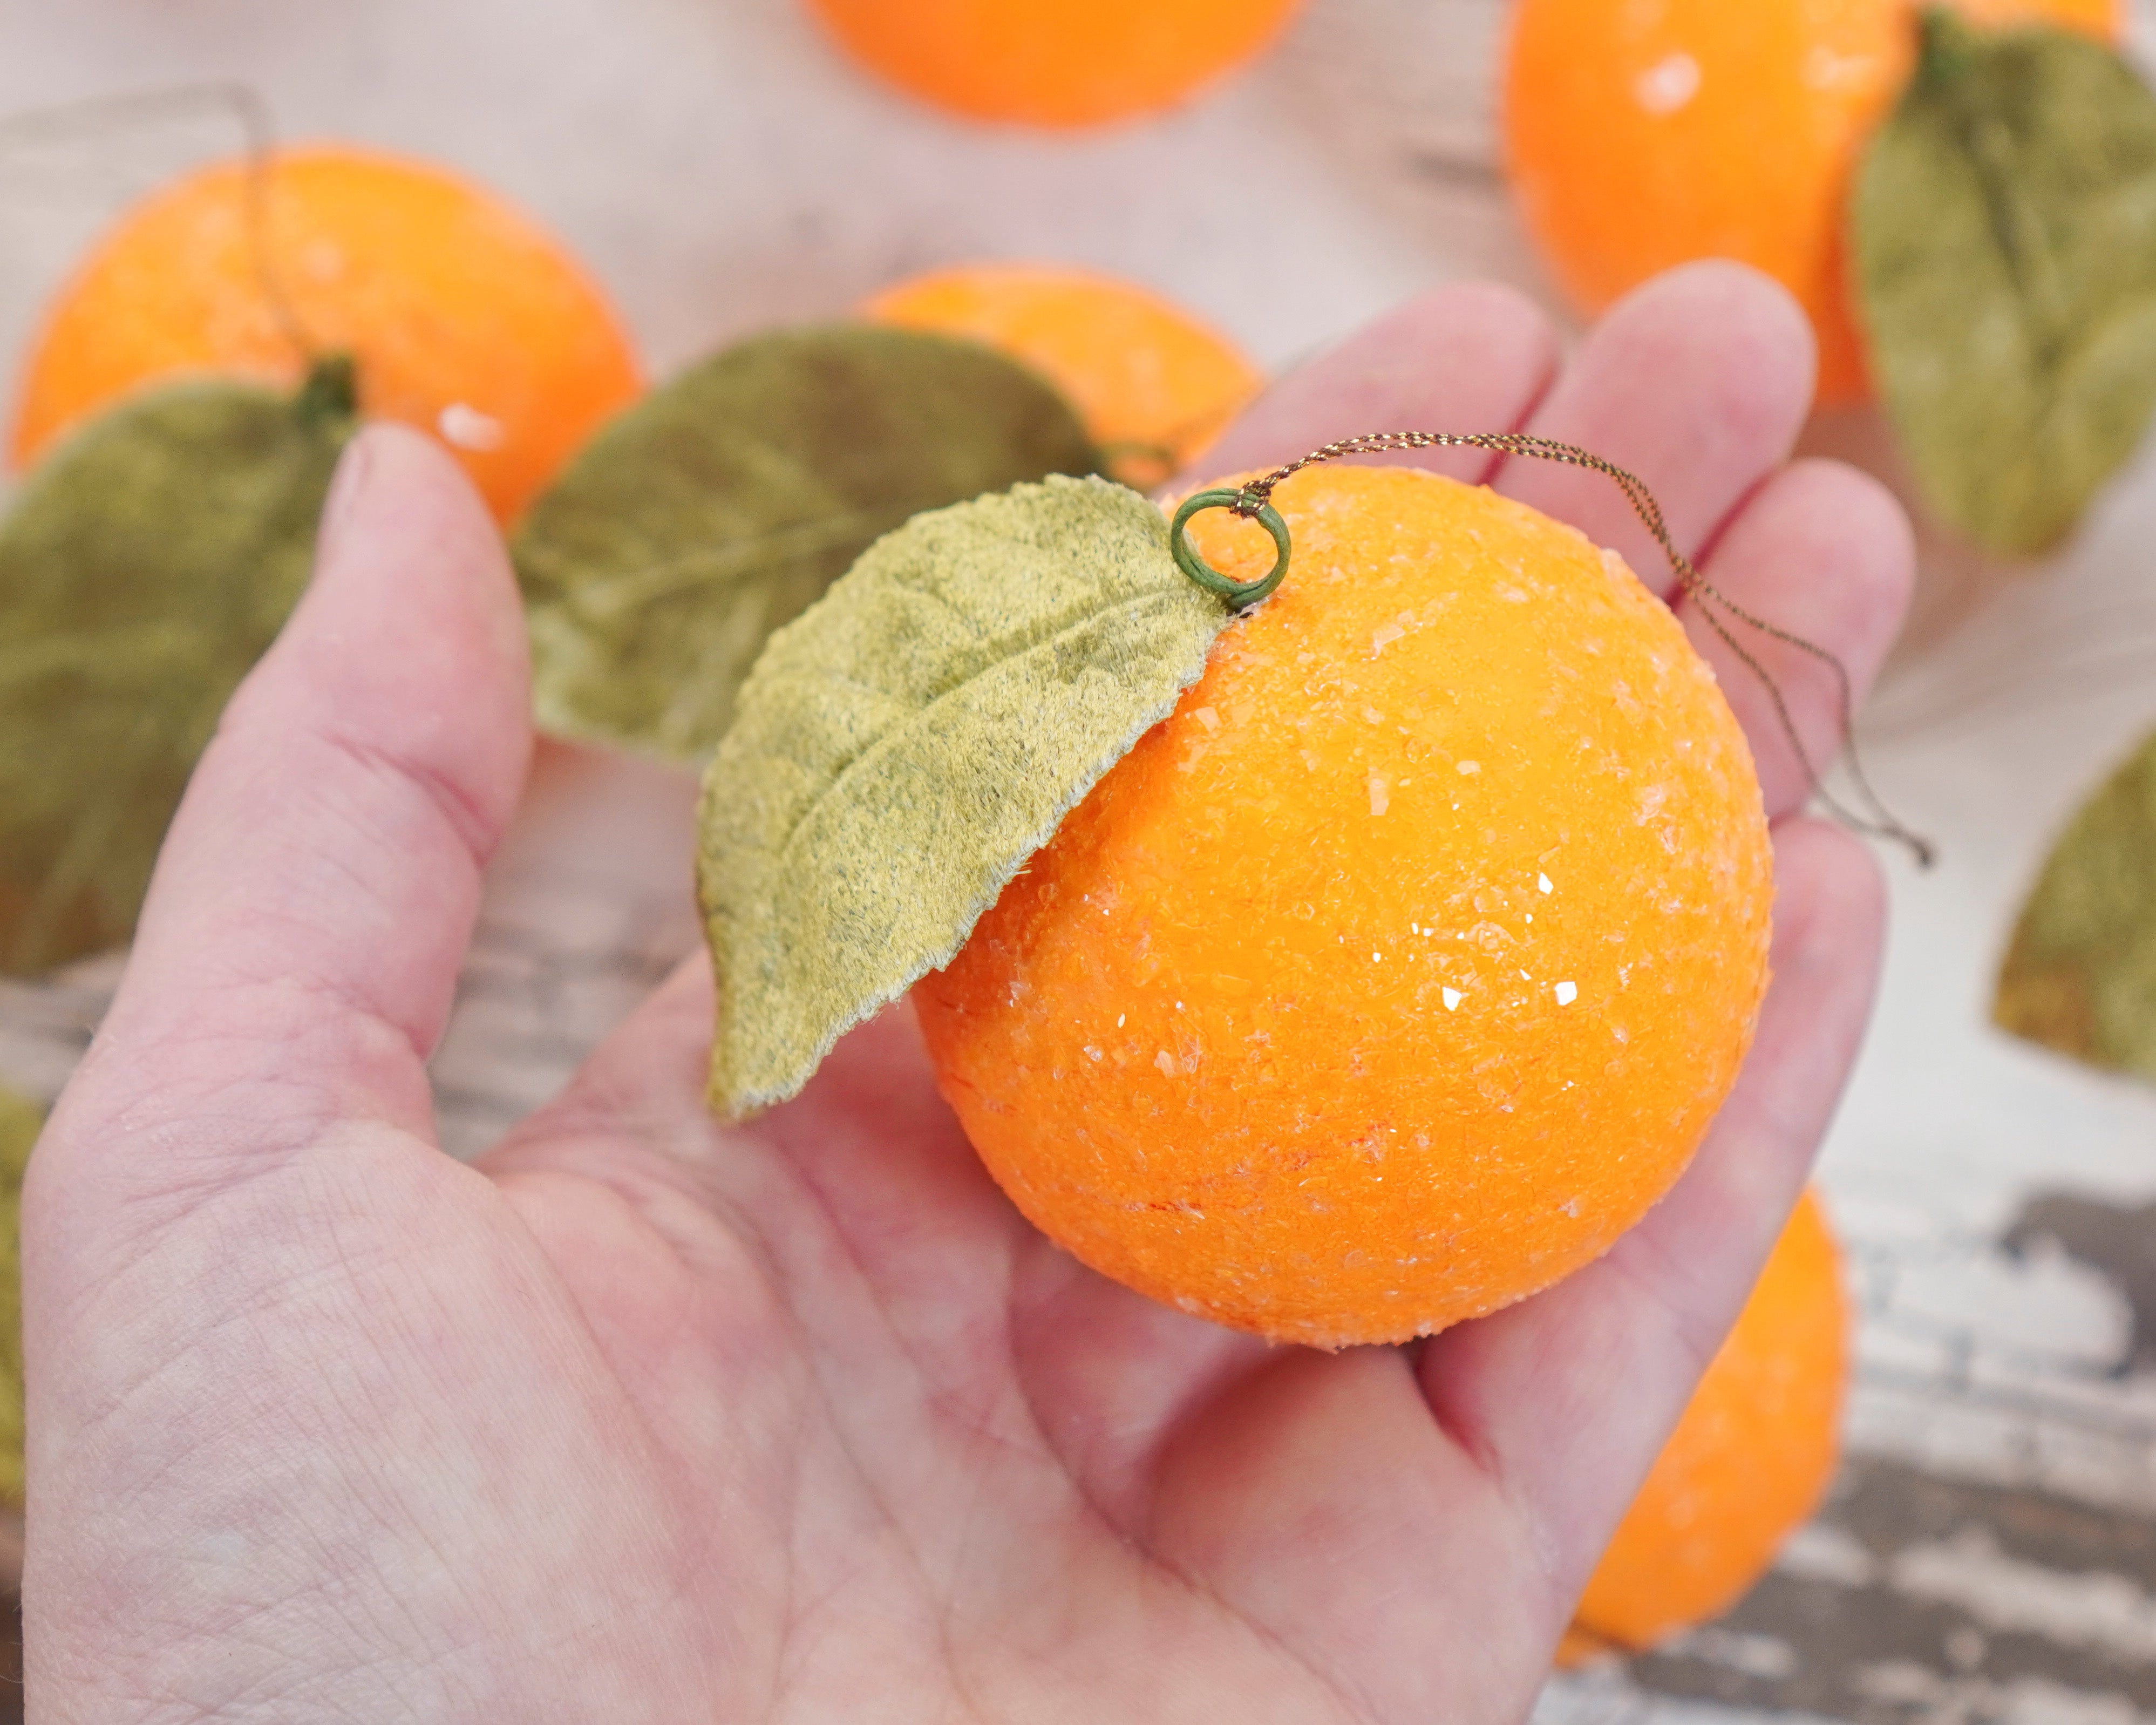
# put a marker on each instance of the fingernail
(345, 485)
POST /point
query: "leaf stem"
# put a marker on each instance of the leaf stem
(328, 398)
(1943, 42)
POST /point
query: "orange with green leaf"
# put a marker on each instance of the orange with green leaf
(461, 315)
(182, 408)
(1959, 196)
(1337, 971)
(1637, 138)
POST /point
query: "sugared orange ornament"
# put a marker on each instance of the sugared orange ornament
(1402, 968)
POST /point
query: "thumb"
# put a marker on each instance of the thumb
(310, 907)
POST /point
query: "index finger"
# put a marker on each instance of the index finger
(1465, 356)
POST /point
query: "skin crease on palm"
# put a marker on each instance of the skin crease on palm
(646, 1418)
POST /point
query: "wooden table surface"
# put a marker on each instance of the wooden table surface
(1989, 1553)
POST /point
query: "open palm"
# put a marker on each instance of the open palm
(648, 1418)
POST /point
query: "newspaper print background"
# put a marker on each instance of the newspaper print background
(1989, 1552)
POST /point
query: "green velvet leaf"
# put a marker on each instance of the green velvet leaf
(144, 567)
(726, 502)
(904, 746)
(2004, 246)
(20, 1123)
(2080, 975)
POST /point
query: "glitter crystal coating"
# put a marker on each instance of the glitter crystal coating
(1266, 1032)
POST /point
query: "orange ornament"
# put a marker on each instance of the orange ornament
(1400, 969)
(1054, 62)
(462, 317)
(1747, 1463)
(1641, 137)
(1148, 379)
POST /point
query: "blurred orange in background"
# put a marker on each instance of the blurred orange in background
(1153, 385)
(463, 317)
(1641, 134)
(1747, 1463)
(1052, 63)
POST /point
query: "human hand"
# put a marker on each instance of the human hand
(648, 1417)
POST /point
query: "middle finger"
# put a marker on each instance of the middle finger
(1698, 384)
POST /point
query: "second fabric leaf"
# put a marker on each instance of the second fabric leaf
(724, 504)
(2004, 241)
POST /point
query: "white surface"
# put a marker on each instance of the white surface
(723, 168)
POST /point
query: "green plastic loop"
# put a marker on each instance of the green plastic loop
(1241, 594)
